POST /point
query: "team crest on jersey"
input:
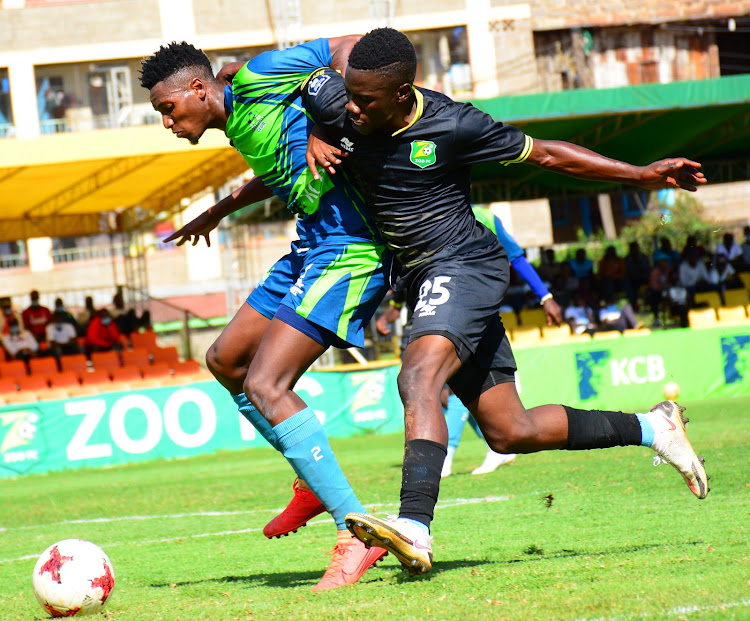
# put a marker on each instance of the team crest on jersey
(347, 144)
(316, 83)
(422, 153)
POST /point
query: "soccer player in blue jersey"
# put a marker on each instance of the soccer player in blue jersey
(323, 293)
(410, 151)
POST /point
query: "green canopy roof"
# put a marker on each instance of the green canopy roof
(706, 120)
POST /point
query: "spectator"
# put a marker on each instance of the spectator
(7, 314)
(723, 276)
(611, 273)
(730, 249)
(62, 337)
(658, 282)
(583, 269)
(102, 333)
(693, 275)
(746, 250)
(614, 317)
(19, 344)
(126, 320)
(549, 267)
(692, 242)
(67, 316)
(86, 315)
(36, 317)
(579, 315)
(665, 251)
(637, 269)
(677, 299)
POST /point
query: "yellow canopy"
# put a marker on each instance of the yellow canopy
(103, 181)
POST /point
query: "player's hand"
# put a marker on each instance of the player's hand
(321, 153)
(381, 325)
(227, 72)
(195, 229)
(676, 172)
(552, 312)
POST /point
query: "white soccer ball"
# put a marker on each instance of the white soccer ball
(671, 391)
(73, 577)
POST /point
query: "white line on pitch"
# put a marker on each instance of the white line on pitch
(444, 504)
(679, 610)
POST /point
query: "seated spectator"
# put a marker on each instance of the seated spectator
(102, 333)
(549, 267)
(658, 282)
(19, 344)
(730, 249)
(62, 337)
(637, 270)
(746, 250)
(723, 276)
(693, 275)
(67, 315)
(579, 316)
(677, 299)
(692, 242)
(583, 269)
(86, 315)
(665, 251)
(613, 316)
(611, 273)
(36, 317)
(5, 317)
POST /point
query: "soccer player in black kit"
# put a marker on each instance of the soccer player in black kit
(410, 151)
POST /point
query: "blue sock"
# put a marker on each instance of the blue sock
(250, 412)
(456, 416)
(424, 527)
(304, 443)
(647, 430)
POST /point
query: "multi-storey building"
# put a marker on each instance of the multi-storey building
(71, 67)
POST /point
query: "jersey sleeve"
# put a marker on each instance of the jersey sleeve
(479, 138)
(511, 247)
(324, 98)
(303, 58)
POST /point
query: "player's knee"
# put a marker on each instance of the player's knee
(512, 436)
(223, 368)
(416, 381)
(262, 391)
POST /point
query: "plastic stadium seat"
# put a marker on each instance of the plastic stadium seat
(95, 377)
(43, 366)
(510, 320)
(84, 390)
(702, 317)
(52, 394)
(526, 335)
(188, 367)
(107, 360)
(8, 384)
(533, 317)
(637, 332)
(733, 315)
(606, 335)
(736, 297)
(74, 362)
(157, 370)
(556, 334)
(33, 383)
(708, 297)
(14, 368)
(17, 398)
(143, 340)
(126, 374)
(166, 354)
(745, 278)
(63, 379)
(135, 358)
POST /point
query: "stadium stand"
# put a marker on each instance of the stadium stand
(13, 368)
(107, 360)
(526, 335)
(708, 297)
(702, 318)
(74, 362)
(45, 366)
(166, 354)
(533, 317)
(733, 315)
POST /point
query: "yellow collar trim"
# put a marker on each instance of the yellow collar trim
(417, 114)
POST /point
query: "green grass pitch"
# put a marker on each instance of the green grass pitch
(587, 535)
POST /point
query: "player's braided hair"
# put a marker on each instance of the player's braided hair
(387, 51)
(169, 60)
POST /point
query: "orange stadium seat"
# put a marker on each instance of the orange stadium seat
(158, 369)
(96, 376)
(63, 379)
(43, 366)
(14, 368)
(135, 358)
(107, 360)
(33, 383)
(166, 354)
(188, 367)
(8, 384)
(74, 362)
(126, 374)
(143, 340)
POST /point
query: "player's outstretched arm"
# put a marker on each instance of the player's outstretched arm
(252, 192)
(576, 161)
(320, 152)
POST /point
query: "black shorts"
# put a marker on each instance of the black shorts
(458, 296)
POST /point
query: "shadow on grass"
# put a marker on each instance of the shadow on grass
(293, 579)
(533, 553)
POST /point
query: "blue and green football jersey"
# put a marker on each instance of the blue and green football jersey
(268, 126)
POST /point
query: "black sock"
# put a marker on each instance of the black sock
(593, 429)
(420, 479)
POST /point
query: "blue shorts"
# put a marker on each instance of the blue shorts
(327, 292)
